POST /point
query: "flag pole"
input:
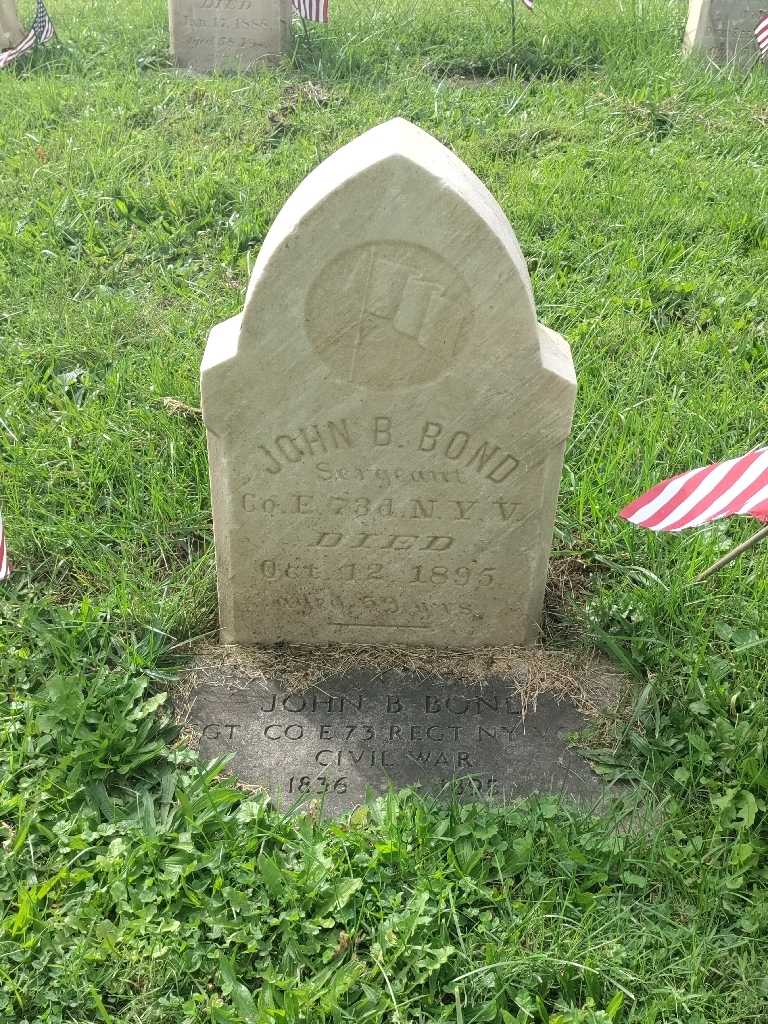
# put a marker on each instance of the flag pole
(734, 553)
(750, 68)
(307, 38)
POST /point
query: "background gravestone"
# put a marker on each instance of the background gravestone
(11, 30)
(228, 35)
(724, 29)
(386, 420)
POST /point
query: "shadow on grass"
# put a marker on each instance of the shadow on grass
(526, 64)
(523, 62)
(564, 46)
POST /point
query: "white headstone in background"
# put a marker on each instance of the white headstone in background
(228, 35)
(724, 29)
(11, 30)
(386, 420)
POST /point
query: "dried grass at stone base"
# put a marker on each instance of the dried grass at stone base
(588, 682)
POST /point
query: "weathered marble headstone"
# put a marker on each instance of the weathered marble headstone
(386, 420)
(228, 35)
(11, 30)
(724, 29)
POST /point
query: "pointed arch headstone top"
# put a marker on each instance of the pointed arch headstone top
(373, 160)
(386, 419)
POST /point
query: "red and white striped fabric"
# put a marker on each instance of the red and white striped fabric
(312, 10)
(42, 31)
(761, 34)
(738, 487)
(29, 42)
(5, 569)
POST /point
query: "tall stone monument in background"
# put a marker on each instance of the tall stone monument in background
(228, 35)
(386, 419)
(724, 29)
(11, 30)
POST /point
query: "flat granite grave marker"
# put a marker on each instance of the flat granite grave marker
(386, 420)
(11, 30)
(367, 730)
(228, 35)
(724, 29)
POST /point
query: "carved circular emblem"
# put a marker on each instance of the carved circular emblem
(388, 314)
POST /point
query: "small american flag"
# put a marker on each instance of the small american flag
(5, 569)
(738, 487)
(761, 34)
(312, 10)
(42, 30)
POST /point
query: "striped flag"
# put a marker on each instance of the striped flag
(312, 10)
(738, 487)
(761, 34)
(5, 569)
(41, 32)
(29, 42)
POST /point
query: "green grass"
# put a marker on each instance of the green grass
(138, 888)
